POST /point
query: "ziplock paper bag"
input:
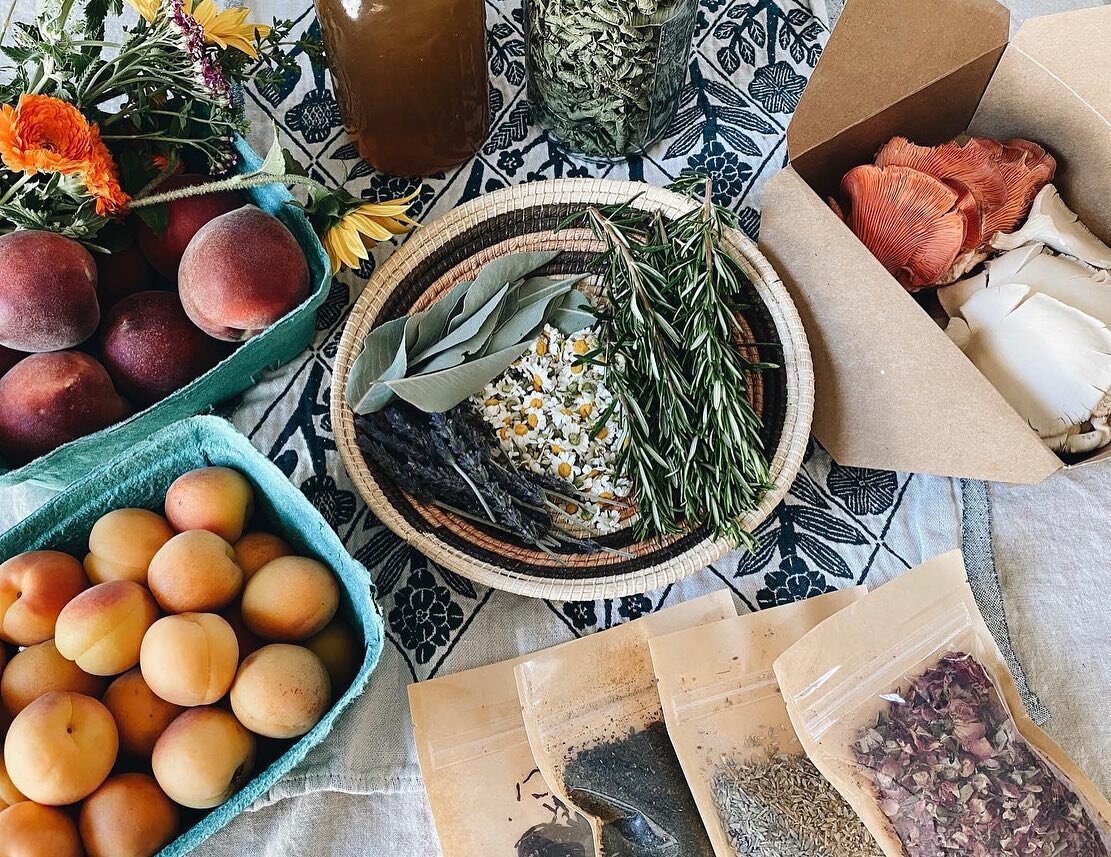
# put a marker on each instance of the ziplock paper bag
(758, 793)
(486, 793)
(904, 702)
(595, 726)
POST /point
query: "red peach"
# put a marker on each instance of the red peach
(151, 349)
(241, 273)
(9, 358)
(49, 301)
(47, 400)
(122, 273)
(184, 217)
(34, 587)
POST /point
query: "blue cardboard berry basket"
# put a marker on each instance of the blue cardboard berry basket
(139, 477)
(274, 347)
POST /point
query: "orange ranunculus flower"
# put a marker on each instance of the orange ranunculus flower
(45, 134)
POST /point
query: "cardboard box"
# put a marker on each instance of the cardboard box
(892, 391)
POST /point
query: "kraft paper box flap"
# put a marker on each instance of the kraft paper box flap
(892, 392)
(1053, 85)
(881, 52)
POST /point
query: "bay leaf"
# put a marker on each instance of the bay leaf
(443, 390)
(383, 358)
(465, 331)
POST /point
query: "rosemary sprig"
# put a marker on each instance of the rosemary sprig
(670, 337)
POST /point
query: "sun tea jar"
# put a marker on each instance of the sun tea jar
(604, 75)
(411, 78)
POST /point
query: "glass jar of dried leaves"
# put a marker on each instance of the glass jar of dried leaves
(604, 75)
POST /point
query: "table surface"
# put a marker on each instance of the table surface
(841, 525)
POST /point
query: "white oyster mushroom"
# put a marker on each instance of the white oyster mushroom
(1069, 281)
(1054, 224)
(1050, 361)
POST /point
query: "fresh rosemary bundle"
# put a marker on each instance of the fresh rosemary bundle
(670, 335)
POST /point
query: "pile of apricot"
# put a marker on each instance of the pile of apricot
(138, 686)
(86, 338)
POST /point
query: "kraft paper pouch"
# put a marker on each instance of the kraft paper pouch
(596, 730)
(488, 797)
(904, 702)
(758, 794)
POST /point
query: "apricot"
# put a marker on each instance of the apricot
(203, 758)
(248, 642)
(122, 273)
(254, 550)
(241, 273)
(103, 627)
(190, 659)
(290, 599)
(281, 691)
(122, 544)
(128, 816)
(9, 794)
(31, 830)
(195, 572)
(151, 348)
(339, 649)
(141, 715)
(60, 748)
(217, 499)
(49, 301)
(47, 400)
(184, 217)
(34, 587)
(39, 669)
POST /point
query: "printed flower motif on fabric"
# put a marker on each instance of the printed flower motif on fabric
(794, 580)
(864, 492)
(777, 87)
(424, 616)
(318, 113)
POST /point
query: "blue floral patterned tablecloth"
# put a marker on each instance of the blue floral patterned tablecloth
(838, 527)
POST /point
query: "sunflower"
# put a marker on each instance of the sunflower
(227, 28)
(45, 134)
(346, 240)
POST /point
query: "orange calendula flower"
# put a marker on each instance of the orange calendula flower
(44, 134)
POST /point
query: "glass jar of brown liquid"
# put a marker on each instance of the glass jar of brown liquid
(411, 79)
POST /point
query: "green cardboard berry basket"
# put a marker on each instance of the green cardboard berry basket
(274, 347)
(139, 477)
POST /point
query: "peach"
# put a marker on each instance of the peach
(151, 349)
(47, 400)
(141, 715)
(281, 691)
(190, 659)
(122, 273)
(183, 218)
(290, 599)
(103, 627)
(203, 758)
(217, 499)
(241, 273)
(30, 830)
(195, 572)
(49, 301)
(122, 544)
(128, 816)
(60, 748)
(254, 550)
(9, 794)
(339, 649)
(34, 587)
(39, 669)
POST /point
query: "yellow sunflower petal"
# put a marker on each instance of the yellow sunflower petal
(146, 8)
(368, 226)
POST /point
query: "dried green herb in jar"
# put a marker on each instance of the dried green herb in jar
(604, 75)
(954, 776)
(783, 807)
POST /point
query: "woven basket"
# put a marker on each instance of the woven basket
(522, 218)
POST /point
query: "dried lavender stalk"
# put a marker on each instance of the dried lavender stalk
(954, 776)
(784, 807)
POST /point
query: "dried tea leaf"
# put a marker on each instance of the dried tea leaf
(434, 321)
(443, 390)
(383, 358)
(476, 346)
(465, 332)
(497, 274)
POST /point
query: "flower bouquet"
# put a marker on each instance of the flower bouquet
(153, 265)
